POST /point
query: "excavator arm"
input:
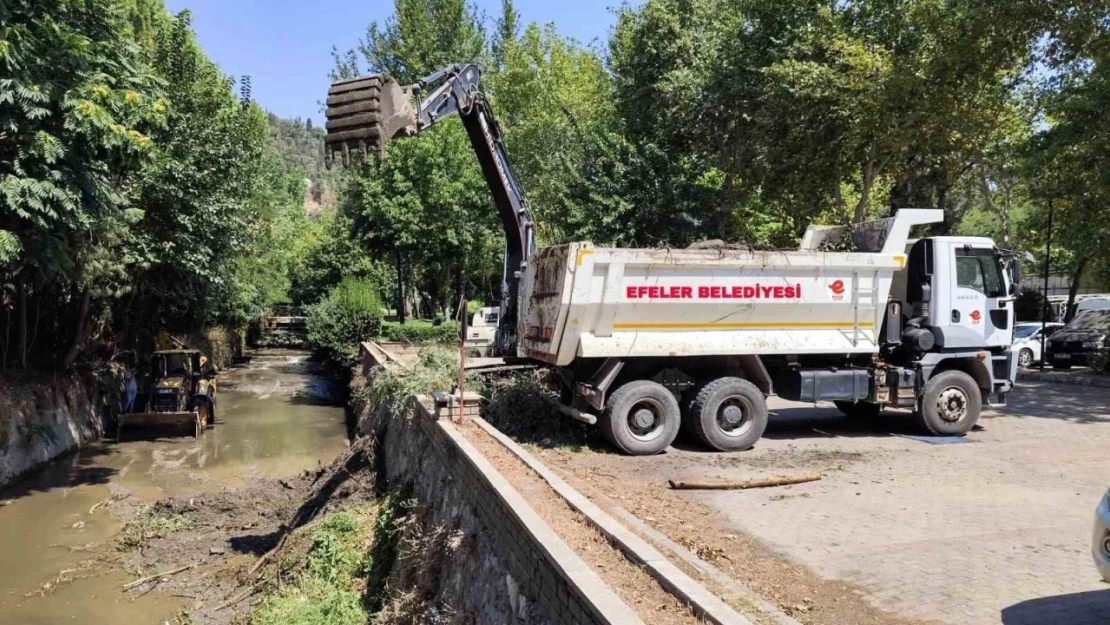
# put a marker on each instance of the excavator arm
(365, 113)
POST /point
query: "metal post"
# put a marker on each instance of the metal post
(458, 417)
(1044, 305)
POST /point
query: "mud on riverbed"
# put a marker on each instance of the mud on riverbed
(233, 541)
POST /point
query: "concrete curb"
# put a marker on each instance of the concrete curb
(705, 604)
(599, 598)
(1072, 379)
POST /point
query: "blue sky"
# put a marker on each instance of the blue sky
(285, 45)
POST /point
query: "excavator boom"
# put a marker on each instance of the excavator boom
(366, 113)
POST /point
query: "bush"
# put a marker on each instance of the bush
(350, 313)
(419, 331)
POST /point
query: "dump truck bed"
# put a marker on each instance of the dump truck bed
(583, 301)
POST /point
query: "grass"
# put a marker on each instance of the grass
(152, 522)
(420, 331)
(328, 589)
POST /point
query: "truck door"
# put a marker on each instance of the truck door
(980, 301)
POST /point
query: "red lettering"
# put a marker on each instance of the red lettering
(789, 292)
(653, 292)
(766, 291)
(630, 292)
(749, 292)
(687, 292)
(703, 292)
(779, 292)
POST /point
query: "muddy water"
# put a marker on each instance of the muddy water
(275, 417)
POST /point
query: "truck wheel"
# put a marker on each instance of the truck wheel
(858, 409)
(642, 418)
(728, 414)
(950, 404)
(1025, 357)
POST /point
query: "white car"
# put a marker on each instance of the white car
(1100, 542)
(1027, 341)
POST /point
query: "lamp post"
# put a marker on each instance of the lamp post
(1044, 306)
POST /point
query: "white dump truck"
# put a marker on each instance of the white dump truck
(645, 341)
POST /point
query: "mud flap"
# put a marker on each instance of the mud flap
(364, 113)
(177, 421)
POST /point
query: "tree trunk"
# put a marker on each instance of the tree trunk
(1073, 288)
(400, 290)
(79, 337)
(21, 290)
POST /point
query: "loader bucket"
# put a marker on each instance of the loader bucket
(179, 422)
(364, 114)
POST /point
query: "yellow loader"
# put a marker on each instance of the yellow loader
(181, 396)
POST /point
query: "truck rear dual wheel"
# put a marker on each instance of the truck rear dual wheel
(951, 404)
(727, 414)
(642, 418)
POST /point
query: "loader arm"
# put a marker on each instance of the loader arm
(367, 112)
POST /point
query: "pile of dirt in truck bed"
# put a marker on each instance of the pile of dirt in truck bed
(219, 551)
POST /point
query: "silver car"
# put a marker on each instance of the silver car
(1100, 542)
(1027, 341)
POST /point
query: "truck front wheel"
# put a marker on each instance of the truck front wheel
(951, 403)
(728, 414)
(642, 418)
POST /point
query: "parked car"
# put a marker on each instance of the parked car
(1083, 341)
(1027, 340)
(1100, 542)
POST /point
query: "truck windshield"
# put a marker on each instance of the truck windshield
(1091, 320)
(978, 269)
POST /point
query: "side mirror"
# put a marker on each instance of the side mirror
(926, 293)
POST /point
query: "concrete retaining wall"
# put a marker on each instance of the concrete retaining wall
(45, 418)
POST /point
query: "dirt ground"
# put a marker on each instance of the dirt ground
(987, 529)
(638, 485)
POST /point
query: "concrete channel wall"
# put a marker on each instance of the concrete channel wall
(512, 565)
(41, 420)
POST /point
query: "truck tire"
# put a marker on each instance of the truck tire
(728, 414)
(642, 418)
(858, 409)
(951, 403)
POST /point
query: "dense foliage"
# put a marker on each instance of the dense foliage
(349, 314)
(139, 190)
(142, 189)
(746, 120)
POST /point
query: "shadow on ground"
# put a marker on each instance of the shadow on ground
(1081, 608)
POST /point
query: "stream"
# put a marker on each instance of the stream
(275, 417)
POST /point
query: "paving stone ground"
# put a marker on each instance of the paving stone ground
(996, 529)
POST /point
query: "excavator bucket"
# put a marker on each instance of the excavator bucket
(364, 114)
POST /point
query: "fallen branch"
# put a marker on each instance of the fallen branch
(761, 483)
(243, 595)
(98, 504)
(140, 582)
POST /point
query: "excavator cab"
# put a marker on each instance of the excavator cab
(365, 113)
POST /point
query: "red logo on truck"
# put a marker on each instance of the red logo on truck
(837, 289)
(975, 317)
